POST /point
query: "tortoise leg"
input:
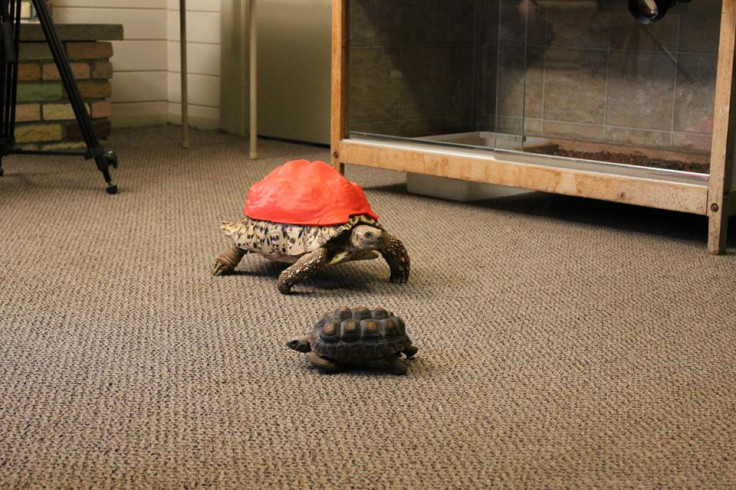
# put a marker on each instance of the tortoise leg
(323, 363)
(397, 366)
(227, 261)
(305, 267)
(395, 254)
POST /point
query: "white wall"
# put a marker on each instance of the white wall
(146, 80)
(203, 60)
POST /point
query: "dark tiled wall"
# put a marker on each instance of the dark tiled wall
(598, 75)
(576, 69)
(411, 66)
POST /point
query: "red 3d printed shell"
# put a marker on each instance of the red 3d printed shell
(306, 193)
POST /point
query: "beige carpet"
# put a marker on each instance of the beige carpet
(563, 342)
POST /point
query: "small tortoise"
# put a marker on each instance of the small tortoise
(310, 215)
(356, 336)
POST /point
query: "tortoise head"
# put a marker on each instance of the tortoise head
(366, 237)
(301, 345)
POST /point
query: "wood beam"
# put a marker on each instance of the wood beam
(724, 129)
(339, 80)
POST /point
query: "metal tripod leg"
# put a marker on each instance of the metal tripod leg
(9, 39)
(103, 157)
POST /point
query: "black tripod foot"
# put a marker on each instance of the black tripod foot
(105, 160)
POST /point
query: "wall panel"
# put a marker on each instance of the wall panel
(146, 82)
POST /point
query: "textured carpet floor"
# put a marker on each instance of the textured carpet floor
(563, 342)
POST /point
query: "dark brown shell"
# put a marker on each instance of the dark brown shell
(359, 334)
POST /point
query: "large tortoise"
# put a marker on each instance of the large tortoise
(308, 214)
(356, 336)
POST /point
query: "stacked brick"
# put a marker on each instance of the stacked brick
(44, 116)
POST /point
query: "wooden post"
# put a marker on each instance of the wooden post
(339, 80)
(724, 130)
(184, 90)
(253, 27)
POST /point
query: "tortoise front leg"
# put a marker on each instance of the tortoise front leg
(227, 261)
(397, 366)
(395, 254)
(323, 363)
(306, 266)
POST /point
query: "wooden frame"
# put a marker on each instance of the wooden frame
(720, 192)
(339, 117)
(712, 197)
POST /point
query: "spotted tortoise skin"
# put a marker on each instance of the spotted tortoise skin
(348, 337)
(286, 242)
(309, 248)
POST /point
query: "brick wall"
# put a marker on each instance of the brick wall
(44, 116)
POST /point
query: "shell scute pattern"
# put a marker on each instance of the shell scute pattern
(357, 334)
